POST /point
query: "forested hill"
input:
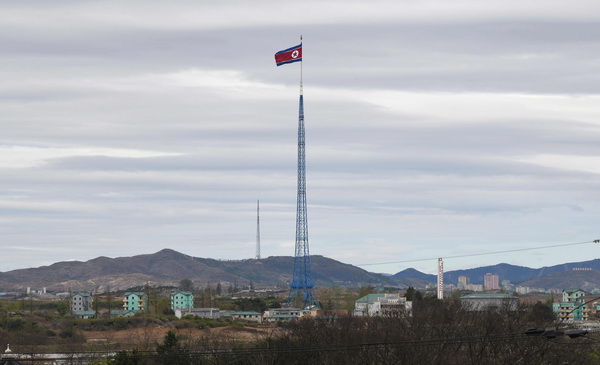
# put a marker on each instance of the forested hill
(168, 267)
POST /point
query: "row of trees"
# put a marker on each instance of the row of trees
(439, 332)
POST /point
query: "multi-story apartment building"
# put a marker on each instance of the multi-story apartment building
(81, 302)
(182, 300)
(463, 282)
(491, 281)
(135, 301)
(82, 305)
(572, 307)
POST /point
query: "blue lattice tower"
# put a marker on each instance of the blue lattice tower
(301, 287)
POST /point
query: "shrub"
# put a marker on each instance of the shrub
(15, 324)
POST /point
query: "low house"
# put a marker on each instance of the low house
(244, 316)
(496, 301)
(282, 314)
(386, 305)
(84, 314)
(198, 312)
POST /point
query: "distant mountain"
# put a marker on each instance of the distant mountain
(413, 274)
(168, 267)
(414, 278)
(586, 280)
(591, 264)
(559, 276)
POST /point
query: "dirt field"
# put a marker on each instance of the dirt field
(147, 338)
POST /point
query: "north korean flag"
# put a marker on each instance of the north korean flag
(293, 54)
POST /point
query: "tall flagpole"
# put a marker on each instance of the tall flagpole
(301, 86)
(301, 288)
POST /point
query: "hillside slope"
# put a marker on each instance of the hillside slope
(168, 267)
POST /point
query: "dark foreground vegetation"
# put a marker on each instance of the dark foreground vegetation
(438, 332)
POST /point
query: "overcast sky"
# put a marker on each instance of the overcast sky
(433, 129)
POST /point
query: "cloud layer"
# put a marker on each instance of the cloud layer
(433, 129)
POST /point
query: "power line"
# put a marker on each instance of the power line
(191, 354)
(483, 253)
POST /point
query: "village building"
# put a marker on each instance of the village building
(282, 314)
(495, 301)
(82, 305)
(244, 316)
(198, 312)
(572, 307)
(386, 305)
(135, 301)
(182, 300)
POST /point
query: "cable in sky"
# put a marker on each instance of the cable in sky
(483, 253)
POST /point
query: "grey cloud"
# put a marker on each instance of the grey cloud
(402, 182)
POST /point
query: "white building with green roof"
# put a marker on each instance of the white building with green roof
(386, 305)
(245, 316)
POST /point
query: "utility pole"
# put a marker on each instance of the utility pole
(440, 279)
(108, 300)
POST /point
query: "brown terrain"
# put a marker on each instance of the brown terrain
(147, 338)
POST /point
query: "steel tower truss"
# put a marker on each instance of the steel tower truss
(302, 286)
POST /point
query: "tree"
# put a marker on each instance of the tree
(170, 350)
(274, 304)
(410, 293)
(219, 289)
(251, 304)
(455, 296)
(208, 295)
(109, 300)
(170, 343)
(541, 314)
(366, 290)
(418, 296)
(186, 285)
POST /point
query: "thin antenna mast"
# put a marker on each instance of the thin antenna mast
(258, 230)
